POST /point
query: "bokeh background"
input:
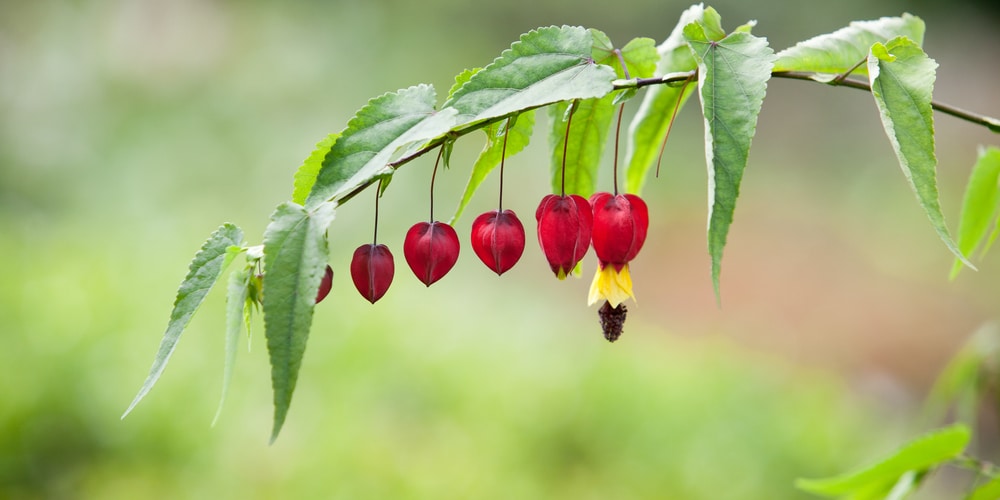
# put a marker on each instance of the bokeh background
(129, 130)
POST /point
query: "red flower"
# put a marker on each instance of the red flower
(564, 225)
(372, 269)
(620, 226)
(431, 250)
(498, 239)
(325, 284)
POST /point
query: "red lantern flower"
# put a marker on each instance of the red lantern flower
(372, 269)
(620, 225)
(564, 226)
(498, 239)
(431, 250)
(325, 284)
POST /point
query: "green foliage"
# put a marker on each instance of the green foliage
(208, 264)
(988, 491)
(876, 481)
(733, 74)
(238, 306)
(980, 206)
(295, 254)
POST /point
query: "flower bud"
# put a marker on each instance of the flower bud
(498, 239)
(325, 284)
(564, 226)
(372, 269)
(431, 250)
(620, 225)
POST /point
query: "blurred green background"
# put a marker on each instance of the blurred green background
(129, 130)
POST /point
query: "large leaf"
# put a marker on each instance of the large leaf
(295, 255)
(838, 52)
(546, 65)
(902, 81)
(305, 176)
(732, 80)
(926, 452)
(517, 137)
(383, 126)
(218, 251)
(649, 126)
(237, 318)
(980, 204)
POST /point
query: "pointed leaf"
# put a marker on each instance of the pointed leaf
(902, 80)
(305, 176)
(837, 52)
(980, 204)
(518, 137)
(927, 451)
(733, 74)
(237, 316)
(649, 126)
(295, 255)
(215, 255)
(364, 149)
(460, 80)
(546, 65)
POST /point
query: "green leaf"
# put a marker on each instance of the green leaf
(902, 81)
(649, 126)
(837, 52)
(305, 176)
(460, 80)
(959, 386)
(925, 452)
(639, 54)
(988, 491)
(518, 137)
(733, 74)
(295, 255)
(237, 316)
(980, 205)
(588, 134)
(218, 251)
(383, 126)
(546, 65)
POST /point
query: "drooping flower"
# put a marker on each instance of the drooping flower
(564, 227)
(431, 250)
(325, 284)
(620, 225)
(372, 269)
(498, 239)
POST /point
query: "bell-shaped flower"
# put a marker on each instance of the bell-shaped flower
(325, 284)
(372, 269)
(498, 239)
(431, 250)
(564, 226)
(620, 226)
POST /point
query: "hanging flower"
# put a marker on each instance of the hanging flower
(498, 239)
(564, 226)
(325, 284)
(620, 225)
(372, 269)
(431, 250)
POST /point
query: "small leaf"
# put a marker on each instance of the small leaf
(925, 452)
(980, 205)
(237, 315)
(546, 65)
(460, 80)
(837, 52)
(988, 491)
(649, 126)
(902, 81)
(215, 255)
(959, 384)
(733, 74)
(383, 126)
(518, 137)
(305, 176)
(295, 256)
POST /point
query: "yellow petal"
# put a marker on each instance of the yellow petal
(611, 285)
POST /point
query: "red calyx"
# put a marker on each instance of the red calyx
(498, 239)
(620, 225)
(564, 227)
(372, 269)
(325, 285)
(431, 250)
